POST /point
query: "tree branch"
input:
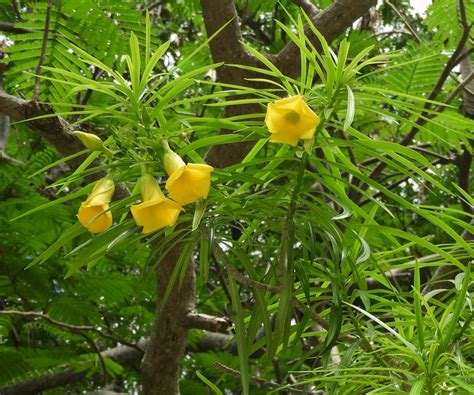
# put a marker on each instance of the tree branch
(169, 335)
(425, 116)
(53, 128)
(308, 7)
(330, 22)
(124, 355)
(65, 325)
(206, 322)
(404, 20)
(11, 28)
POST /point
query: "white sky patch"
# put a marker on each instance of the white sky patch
(420, 6)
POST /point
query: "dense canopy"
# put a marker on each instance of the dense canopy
(236, 197)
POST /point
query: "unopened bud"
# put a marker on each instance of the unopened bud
(90, 141)
(172, 162)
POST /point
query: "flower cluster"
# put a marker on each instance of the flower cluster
(288, 120)
(186, 183)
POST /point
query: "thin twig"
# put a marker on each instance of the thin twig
(16, 10)
(219, 253)
(456, 92)
(401, 181)
(70, 327)
(99, 354)
(405, 20)
(43, 51)
(11, 28)
(425, 116)
(256, 380)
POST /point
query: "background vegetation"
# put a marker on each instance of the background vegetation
(341, 266)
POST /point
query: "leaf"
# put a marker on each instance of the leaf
(209, 383)
(350, 109)
(240, 336)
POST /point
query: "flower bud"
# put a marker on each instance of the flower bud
(94, 213)
(90, 141)
(172, 162)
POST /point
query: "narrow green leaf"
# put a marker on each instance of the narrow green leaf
(240, 336)
(209, 383)
(350, 108)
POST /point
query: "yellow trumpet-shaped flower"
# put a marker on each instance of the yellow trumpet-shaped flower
(187, 182)
(93, 212)
(290, 119)
(156, 211)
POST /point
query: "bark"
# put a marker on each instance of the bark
(330, 22)
(169, 335)
(54, 129)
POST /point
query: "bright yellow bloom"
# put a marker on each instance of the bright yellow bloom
(290, 119)
(156, 211)
(187, 182)
(91, 213)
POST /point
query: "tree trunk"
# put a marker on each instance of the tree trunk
(161, 363)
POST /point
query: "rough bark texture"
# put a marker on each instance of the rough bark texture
(54, 129)
(330, 22)
(169, 336)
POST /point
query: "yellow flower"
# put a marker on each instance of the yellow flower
(91, 213)
(156, 211)
(290, 119)
(187, 182)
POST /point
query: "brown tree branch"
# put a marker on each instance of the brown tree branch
(206, 322)
(169, 335)
(72, 328)
(425, 116)
(52, 128)
(404, 20)
(330, 22)
(308, 7)
(11, 28)
(124, 355)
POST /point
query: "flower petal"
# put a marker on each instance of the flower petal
(94, 218)
(189, 184)
(155, 215)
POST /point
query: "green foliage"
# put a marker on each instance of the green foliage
(321, 266)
